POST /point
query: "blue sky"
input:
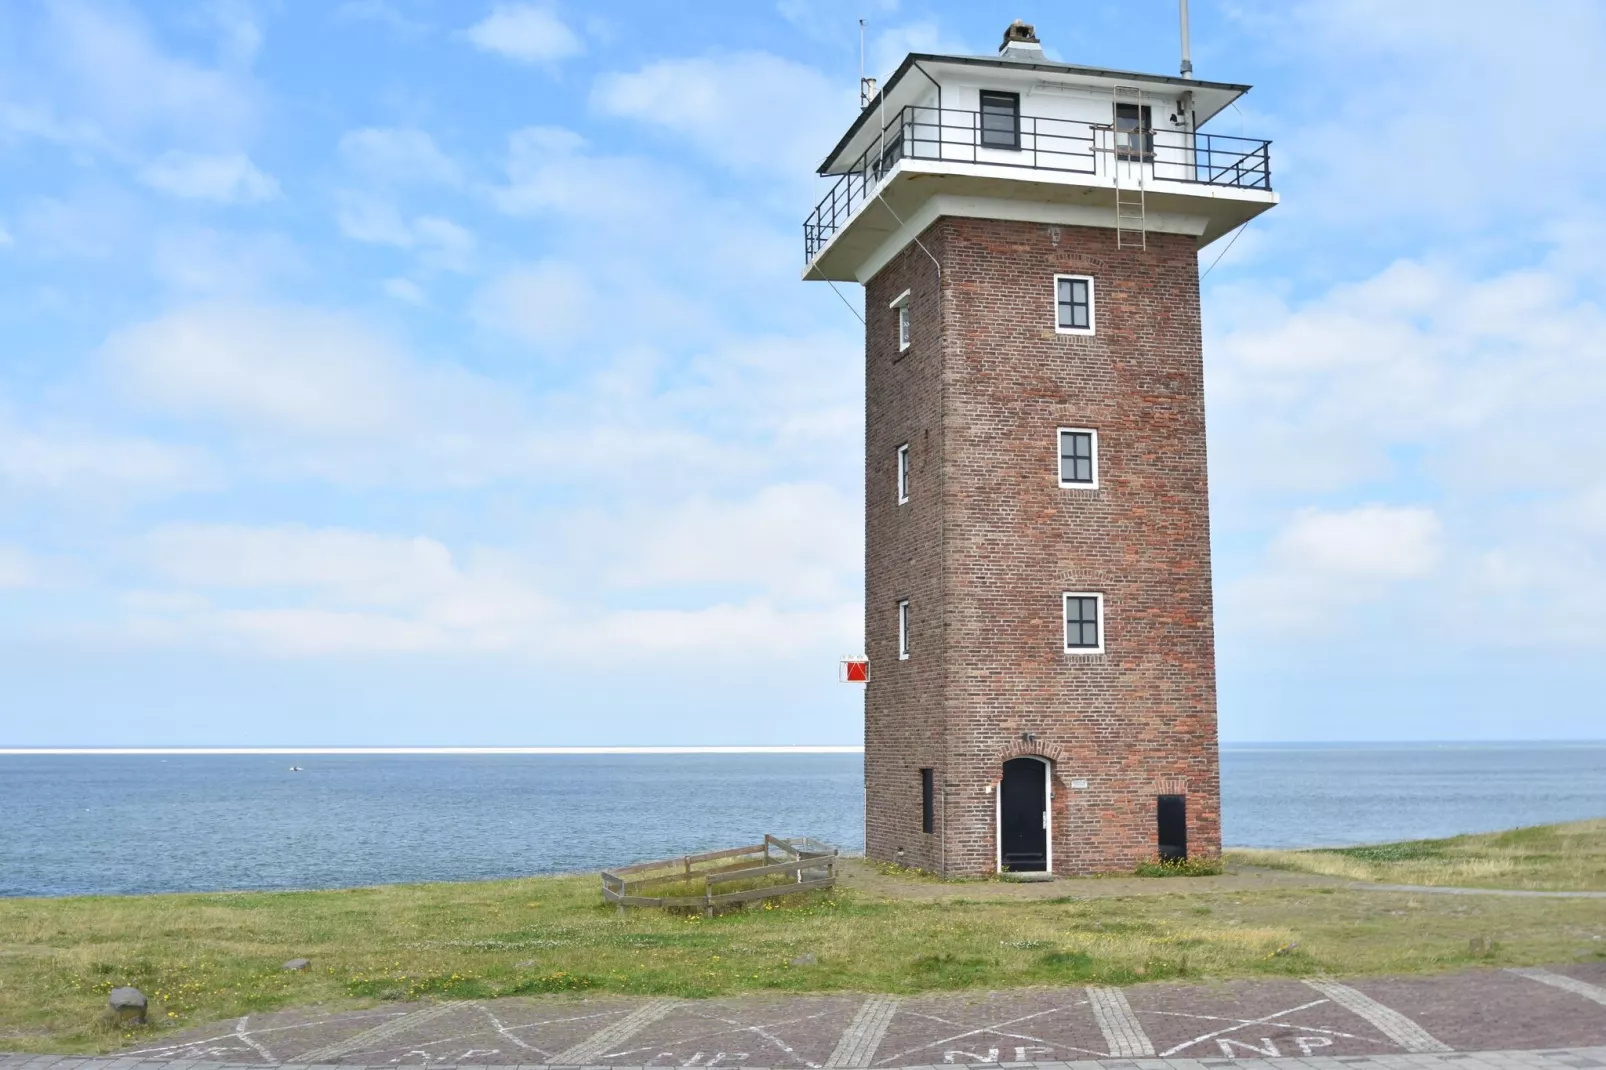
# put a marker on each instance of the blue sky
(426, 372)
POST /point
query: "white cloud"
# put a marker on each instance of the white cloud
(530, 33)
(381, 11)
(546, 304)
(633, 215)
(19, 568)
(91, 223)
(396, 155)
(749, 110)
(122, 79)
(889, 46)
(799, 542)
(560, 306)
(306, 370)
(297, 591)
(1423, 355)
(239, 35)
(228, 178)
(1425, 381)
(405, 290)
(351, 567)
(833, 20)
(443, 244)
(550, 173)
(37, 121)
(204, 260)
(1410, 138)
(1325, 563)
(1370, 542)
(73, 461)
(311, 393)
(439, 242)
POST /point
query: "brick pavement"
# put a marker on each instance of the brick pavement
(1527, 1019)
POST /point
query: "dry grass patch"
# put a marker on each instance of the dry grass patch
(1569, 857)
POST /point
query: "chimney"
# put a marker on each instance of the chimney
(1020, 42)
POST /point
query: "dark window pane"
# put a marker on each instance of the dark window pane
(1074, 303)
(1084, 470)
(1000, 120)
(1081, 622)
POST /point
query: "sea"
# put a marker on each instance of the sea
(122, 824)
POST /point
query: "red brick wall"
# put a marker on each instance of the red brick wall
(989, 541)
(904, 719)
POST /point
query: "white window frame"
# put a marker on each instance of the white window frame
(903, 630)
(1048, 814)
(900, 305)
(1092, 306)
(1059, 451)
(1065, 628)
(903, 474)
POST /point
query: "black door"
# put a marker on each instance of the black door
(1173, 826)
(1023, 815)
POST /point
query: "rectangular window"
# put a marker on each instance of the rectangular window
(901, 305)
(928, 801)
(1134, 132)
(903, 630)
(1079, 457)
(1084, 622)
(1073, 304)
(1000, 120)
(903, 473)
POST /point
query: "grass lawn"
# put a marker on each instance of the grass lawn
(207, 957)
(1568, 857)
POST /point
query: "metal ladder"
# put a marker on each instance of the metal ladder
(1131, 208)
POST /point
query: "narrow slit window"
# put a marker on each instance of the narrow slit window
(1084, 622)
(1073, 304)
(928, 801)
(903, 630)
(1079, 457)
(1000, 120)
(903, 473)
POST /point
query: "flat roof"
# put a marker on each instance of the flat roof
(1225, 92)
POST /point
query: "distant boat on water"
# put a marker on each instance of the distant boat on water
(295, 769)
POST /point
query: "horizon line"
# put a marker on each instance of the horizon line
(671, 750)
(136, 751)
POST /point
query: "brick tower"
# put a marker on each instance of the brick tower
(1037, 532)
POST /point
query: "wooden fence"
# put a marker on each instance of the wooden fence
(804, 864)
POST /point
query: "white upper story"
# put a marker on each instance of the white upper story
(1017, 136)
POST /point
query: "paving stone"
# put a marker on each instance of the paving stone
(1491, 1010)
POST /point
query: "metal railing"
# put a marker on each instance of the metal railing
(1038, 143)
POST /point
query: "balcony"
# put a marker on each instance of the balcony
(1175, 164)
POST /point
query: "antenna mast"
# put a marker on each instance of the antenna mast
(1187, 64)
(866, 85)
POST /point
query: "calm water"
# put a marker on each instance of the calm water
(75, 825)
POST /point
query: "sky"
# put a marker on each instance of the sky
(437, 372)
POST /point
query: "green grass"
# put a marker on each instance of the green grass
(1570, 857)
(204, 958)
(1180, 867)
